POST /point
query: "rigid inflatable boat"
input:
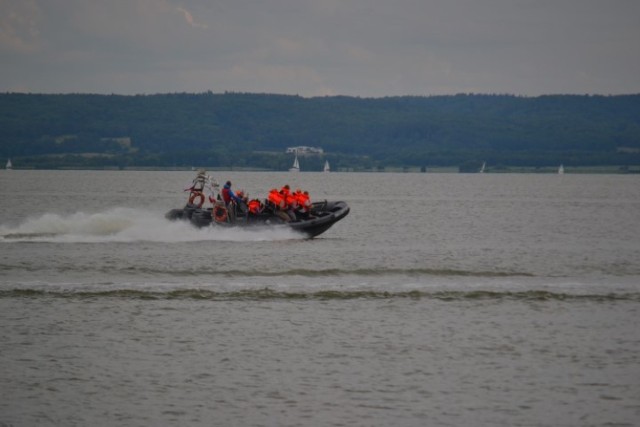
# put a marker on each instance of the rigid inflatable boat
(320, 218)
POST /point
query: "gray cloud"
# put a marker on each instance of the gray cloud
(321, 47)
(189, 18)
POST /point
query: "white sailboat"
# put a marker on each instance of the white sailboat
(561, 170)
(9, 164)
(326, 166)
(484, 165)
(296, 165)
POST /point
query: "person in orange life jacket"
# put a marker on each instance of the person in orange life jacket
(276, 199)
(290, 202)
(290, 198)
(304, 203)
(284, 192)
(278, 204)
(255, 207)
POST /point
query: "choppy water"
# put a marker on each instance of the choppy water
(440, 300)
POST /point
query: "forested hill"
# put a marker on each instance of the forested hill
(253, 130)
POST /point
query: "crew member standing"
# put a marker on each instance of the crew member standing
(230, 200)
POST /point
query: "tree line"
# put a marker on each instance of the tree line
(254, 130)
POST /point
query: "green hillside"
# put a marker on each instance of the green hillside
(253, 130)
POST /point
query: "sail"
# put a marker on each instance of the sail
(484, 165)
(296, 165)
(561, 170)
(326, 166)
(9, 165)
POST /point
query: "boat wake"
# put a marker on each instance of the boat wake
(322, 295)
(129, 225)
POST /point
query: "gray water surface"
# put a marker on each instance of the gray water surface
(440, 300)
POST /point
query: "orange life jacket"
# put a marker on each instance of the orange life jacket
(303, 201)
(254, 206)
(276, 198)
(285, 191)
(291, 201)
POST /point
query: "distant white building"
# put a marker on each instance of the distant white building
(303, 149)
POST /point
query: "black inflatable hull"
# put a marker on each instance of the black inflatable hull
(324, 215)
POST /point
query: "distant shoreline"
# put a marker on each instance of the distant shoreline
(617, 170)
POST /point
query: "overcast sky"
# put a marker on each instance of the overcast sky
(367, 48)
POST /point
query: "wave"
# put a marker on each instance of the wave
(212, 271)
(371, 272)
(128, 225)
(270, 294)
